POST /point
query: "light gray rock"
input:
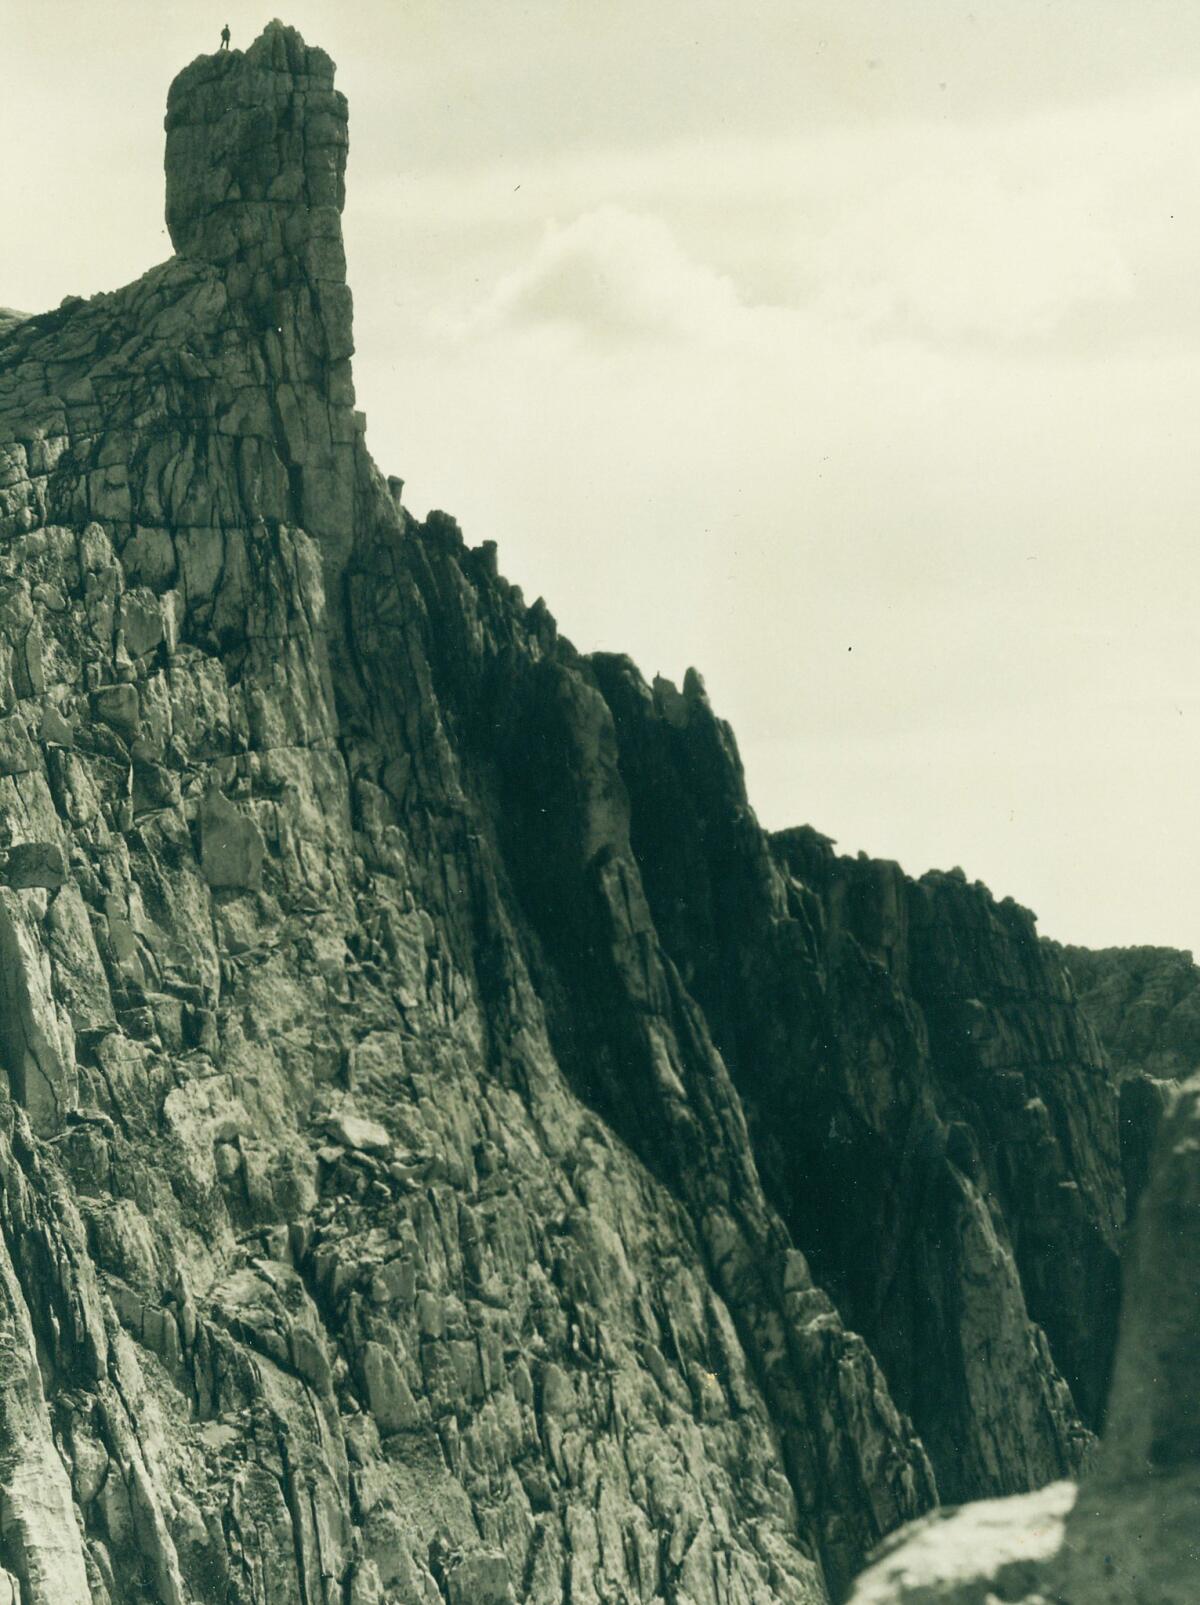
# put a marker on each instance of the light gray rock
(388, 1394)
(971, 1555)
(352, 1131)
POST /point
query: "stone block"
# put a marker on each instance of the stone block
(34, 864)
(231, 845)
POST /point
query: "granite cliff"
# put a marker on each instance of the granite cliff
(1144, 1003)
(1127, 1535)
(450, 1152)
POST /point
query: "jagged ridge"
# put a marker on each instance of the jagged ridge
(425, 1076)
(1145, 1005)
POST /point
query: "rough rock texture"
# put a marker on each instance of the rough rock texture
(1133, 1538)
(930, 1113)
(1130, 1536)
(1145, 1005)
(977, 1554)
(1143, 1100)
(427, 1087)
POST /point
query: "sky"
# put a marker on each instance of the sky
(847, 351)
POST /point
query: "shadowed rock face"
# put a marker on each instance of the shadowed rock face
(930, 1113)
(1133, 1536)
(1145, 1005)
(1129, 1537)
(429, 1090)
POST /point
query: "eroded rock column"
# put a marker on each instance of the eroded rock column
(255, 166)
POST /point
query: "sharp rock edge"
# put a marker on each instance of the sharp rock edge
(450, 1152)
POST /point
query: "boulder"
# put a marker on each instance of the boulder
(353, 1131)
(970, 1554)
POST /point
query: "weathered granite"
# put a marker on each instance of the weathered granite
(423, 1076)
(1145, 1005)
(329, 1279)
(1129, 1535)
(976, 1554)
(930, 1113)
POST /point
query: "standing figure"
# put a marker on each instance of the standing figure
(225, 37)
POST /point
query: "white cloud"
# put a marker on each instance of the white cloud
(1072, 224)
(614, 274)
(956, 248)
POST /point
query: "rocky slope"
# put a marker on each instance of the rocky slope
(451, 1153)
(931, 1114)
(1128, 1535)
(1144, 1003)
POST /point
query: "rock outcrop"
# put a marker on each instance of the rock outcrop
(1145, 1005)
(450, 1152)
(1132, 1538)
(931, 1114)
(1128, 1536)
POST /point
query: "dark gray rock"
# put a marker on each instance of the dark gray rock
(231, 844)
(1128, 1536)
(1143, 1102)
(29, 864)
(930, 1113)
(1145, 1005)
(1133, 1537)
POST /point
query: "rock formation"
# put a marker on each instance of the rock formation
(1129, 1537)
(932, 1116)
(451, 1153)
(1132, 1538)
(1145, 1004)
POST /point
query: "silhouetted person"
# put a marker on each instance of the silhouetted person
(225, 37)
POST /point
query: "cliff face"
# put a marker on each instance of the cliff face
(1128, 1535)
(1144, 1003)
(445, 1135)
(930, 1113)
(1131, 1539)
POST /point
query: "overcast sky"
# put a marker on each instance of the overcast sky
(849, 351)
